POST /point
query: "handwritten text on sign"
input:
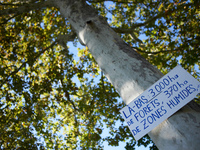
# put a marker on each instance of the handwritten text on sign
(160, 101)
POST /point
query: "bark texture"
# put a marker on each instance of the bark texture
(130, 73)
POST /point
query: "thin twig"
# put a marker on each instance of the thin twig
(154, 53)
(8, 19)
(71, 102)
(68, 96)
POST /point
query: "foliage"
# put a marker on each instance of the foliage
(51, 99)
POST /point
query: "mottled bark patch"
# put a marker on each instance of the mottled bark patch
(192, 117)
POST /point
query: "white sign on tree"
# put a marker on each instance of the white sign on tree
(160, 101)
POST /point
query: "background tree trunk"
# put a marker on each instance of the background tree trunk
(130, 74)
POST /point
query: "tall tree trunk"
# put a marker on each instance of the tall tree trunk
(130, 73)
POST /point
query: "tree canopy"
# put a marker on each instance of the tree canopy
(53, 98)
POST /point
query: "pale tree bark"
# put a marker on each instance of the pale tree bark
(130, 73)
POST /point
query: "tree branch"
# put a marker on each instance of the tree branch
(132, 28)
(67, 95)
(161, 14)
(63, 39)
(17, 3)
(5, 21)
(26, 62)
(154, 53)
(26, 8)
(135, 38)
(10, 4)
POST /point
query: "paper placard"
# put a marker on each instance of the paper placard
(160, 101)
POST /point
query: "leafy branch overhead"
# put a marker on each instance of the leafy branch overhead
(55, 96)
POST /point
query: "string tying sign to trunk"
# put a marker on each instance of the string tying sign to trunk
(160, 101)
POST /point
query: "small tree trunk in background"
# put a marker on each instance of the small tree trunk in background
(130, 74)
